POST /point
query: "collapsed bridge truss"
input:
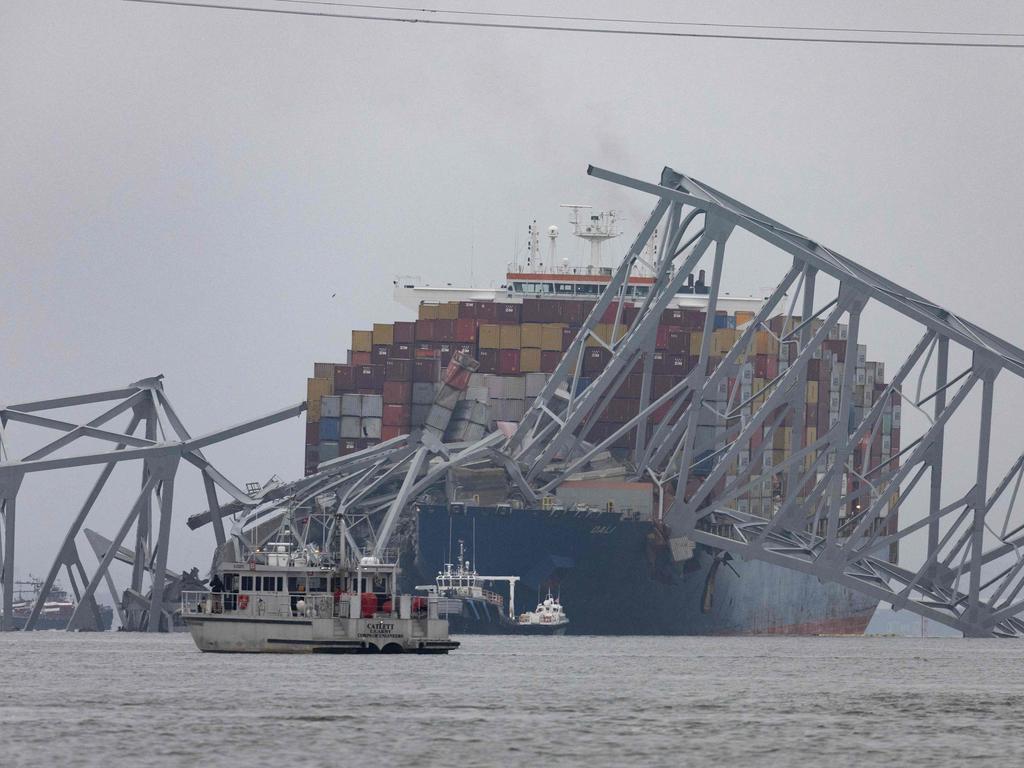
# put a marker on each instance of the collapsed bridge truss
(838, 512)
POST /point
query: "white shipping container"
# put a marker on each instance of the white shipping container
(373, 406)
(351, 427)
(351, 405)
(477, 394)
(534, 383)
(418, 414)
(371, 428)
(423, 393)
(330, 406)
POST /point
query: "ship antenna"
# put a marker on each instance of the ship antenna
(474, 543)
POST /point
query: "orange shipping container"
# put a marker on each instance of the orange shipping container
(362, 341)
(551, 337)
(383, 334)
(315, 389)
(509, 337)
(531, 334)
(490, 336)
(529, 360)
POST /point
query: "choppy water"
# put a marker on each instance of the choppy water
(136, 700)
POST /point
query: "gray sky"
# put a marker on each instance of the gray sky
(184, 189)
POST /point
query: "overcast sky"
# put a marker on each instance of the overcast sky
(183, 190)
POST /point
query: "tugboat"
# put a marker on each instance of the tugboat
(547, 619)
(287, 598)
(470, 608)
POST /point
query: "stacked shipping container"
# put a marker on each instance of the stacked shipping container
(391, 374)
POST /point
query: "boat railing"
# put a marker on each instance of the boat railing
(264, 604)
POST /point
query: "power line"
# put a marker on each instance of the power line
(667, 23)
(591, 30)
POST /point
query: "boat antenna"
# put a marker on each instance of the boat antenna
(474, 543)
(449, 535)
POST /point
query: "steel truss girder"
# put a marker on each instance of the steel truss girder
(836, 515)
(149, 405)
(816, 530)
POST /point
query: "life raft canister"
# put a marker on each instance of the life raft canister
(243, 602)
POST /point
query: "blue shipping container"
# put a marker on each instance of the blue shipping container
(330, 429)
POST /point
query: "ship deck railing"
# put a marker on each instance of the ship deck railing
(283, 605)
(264, 604)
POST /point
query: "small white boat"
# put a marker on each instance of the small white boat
(547, 619)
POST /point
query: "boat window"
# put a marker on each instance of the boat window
(517, 287)
(230, 582)
(589, 290)
(293, 583)
(563, 288)
(642, 290)
(247, 583)
(318, 584)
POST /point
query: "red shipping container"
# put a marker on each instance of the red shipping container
(568, 334)
(594, 360)
(388, 432)
(344, 378)
(508, 362)
(444, 330)
(398, 392)
(549, 360)
(610, 312)
(672, 317)
(693, 319)
(403, 349)
(678, 365)
(508, 314)
(396, 415)
(632, 386)
(465, 330)
(425, 349)
(398, 369)
(380, 353)
(467, 310)
(661, 337)
(370, 377)
(361, 358)
(456, 376)
(662, 383)
(425, 370)
(536, 310)
(444, 352)
(486, 311)
(312, 433)
(405, 333)
(766, 367)
(425, 330)
(661, 363)
(837, 347)
(677, 341)
(488, 359)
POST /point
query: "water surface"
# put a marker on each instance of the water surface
(118, 699)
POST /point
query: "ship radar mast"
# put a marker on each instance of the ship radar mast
(533, 260)
(595, 228)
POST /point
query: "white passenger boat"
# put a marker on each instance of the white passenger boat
(547, 619)
(289, 600)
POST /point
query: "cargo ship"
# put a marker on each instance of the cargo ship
(600, 541)
(55, 612)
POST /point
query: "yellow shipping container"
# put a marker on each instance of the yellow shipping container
(812, 391)
(448, 311)
(765, 343)
(696, 339)
(782, 438)
(604, 332)
(812, 435)
(551, 337)
(723, 340)
(362, 341)
(530, 336)
(509, 337)
(315, 389)
(323, 370)
(428, 311)
(383, 333)
(529, 360)
(489, 336)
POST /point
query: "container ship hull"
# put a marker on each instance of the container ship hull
(616, 577)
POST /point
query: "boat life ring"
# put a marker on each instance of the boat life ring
(243, 602)
(252, 564)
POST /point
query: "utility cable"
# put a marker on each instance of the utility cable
(591, 30)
